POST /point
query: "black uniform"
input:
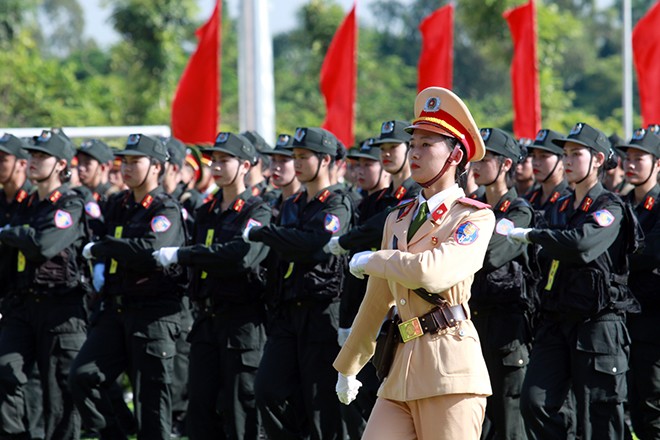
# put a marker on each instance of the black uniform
(502, 303)
(534, 197)
(46, 320)
(644, 374)
(228, 335)
(296, 381)
(140, 316)
(582, 342)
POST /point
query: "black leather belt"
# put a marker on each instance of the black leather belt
(438, 319)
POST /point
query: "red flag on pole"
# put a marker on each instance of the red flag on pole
(338, 80)
(524, 70)
(197, 96)
(646, 52)
(436, 62)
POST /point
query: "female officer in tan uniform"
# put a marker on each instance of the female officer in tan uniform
(432, 246)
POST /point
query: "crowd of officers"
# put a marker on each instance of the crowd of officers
(216, 281)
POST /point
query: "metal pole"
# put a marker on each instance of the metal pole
(627, 71)
(255, 70)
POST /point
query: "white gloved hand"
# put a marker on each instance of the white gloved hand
(347, 388)
(166, 256)
(246, 231)
(98, 276)
(335, 248)
(87, 251)
(342, 335)
(518, 235)
(358, 263)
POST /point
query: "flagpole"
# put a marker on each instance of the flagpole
(255, 70)
(627, 71)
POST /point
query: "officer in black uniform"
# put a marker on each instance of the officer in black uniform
(374, 202)
(295, 382)
(13, 178)
(582, 342)
(548, 171)
(642, 164)
(228, 334)
(46, 320)
(502, 301)
(140, 317)
(94, 162)
(257, 177)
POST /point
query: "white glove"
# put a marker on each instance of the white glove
(519, 235)
(98, 276)
(87, 251)
(347, 388)
(166, 256)
(246, 231)
(335, 248)
(342, 335)
(358, 263)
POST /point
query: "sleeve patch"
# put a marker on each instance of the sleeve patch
(504, 226)
(160, 223)
(252, 222)
(332, 223)
(63, 219)
(93, 209)
(467, 233)
(604, 217)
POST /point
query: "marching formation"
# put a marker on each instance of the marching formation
(439, 280)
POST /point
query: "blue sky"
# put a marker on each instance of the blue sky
(282, 13)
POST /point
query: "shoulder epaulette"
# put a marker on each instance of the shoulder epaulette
(474, 203)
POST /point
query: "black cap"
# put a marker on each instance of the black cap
(393, 132)
(96, 149)
(315, 139)
(587, 136)
(283, 146)
(177, 151)
(235, 145)
(500, 142)
(257, 141)
(10, 144)
(53, 144)
(543, 141)
(367, 150)
(143, 145)
(645, 140)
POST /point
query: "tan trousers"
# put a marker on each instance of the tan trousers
(451, 417)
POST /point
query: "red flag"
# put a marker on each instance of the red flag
(195, 104)
(338, 80)
(524, 70)
(646, 52)
(436, 62)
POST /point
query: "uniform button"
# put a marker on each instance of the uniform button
(164, 354)
(475, 313)
(461, 333)
(402, 302)
(613, 369)
(520, 361)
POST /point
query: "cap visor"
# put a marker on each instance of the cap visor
(649, 150)
(219, 150)
(422, 125)
(562, 142)
(39, 149)
(555, 150)
(130, 153)
(362, 155)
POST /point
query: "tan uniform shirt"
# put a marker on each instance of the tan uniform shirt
(441, 257)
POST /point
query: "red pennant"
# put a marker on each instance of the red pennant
(338, 80)
(195, 104)
(436, 61)
(524, 70)
(646, 52)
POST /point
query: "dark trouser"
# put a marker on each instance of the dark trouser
(644, 375)
(591, 357)
(295, 385)
(225, 351)
(140, 339)
(180, 377)
(357, 414)
(505, 338)
(49, 331)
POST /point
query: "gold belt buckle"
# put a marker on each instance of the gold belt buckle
(410, 329)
